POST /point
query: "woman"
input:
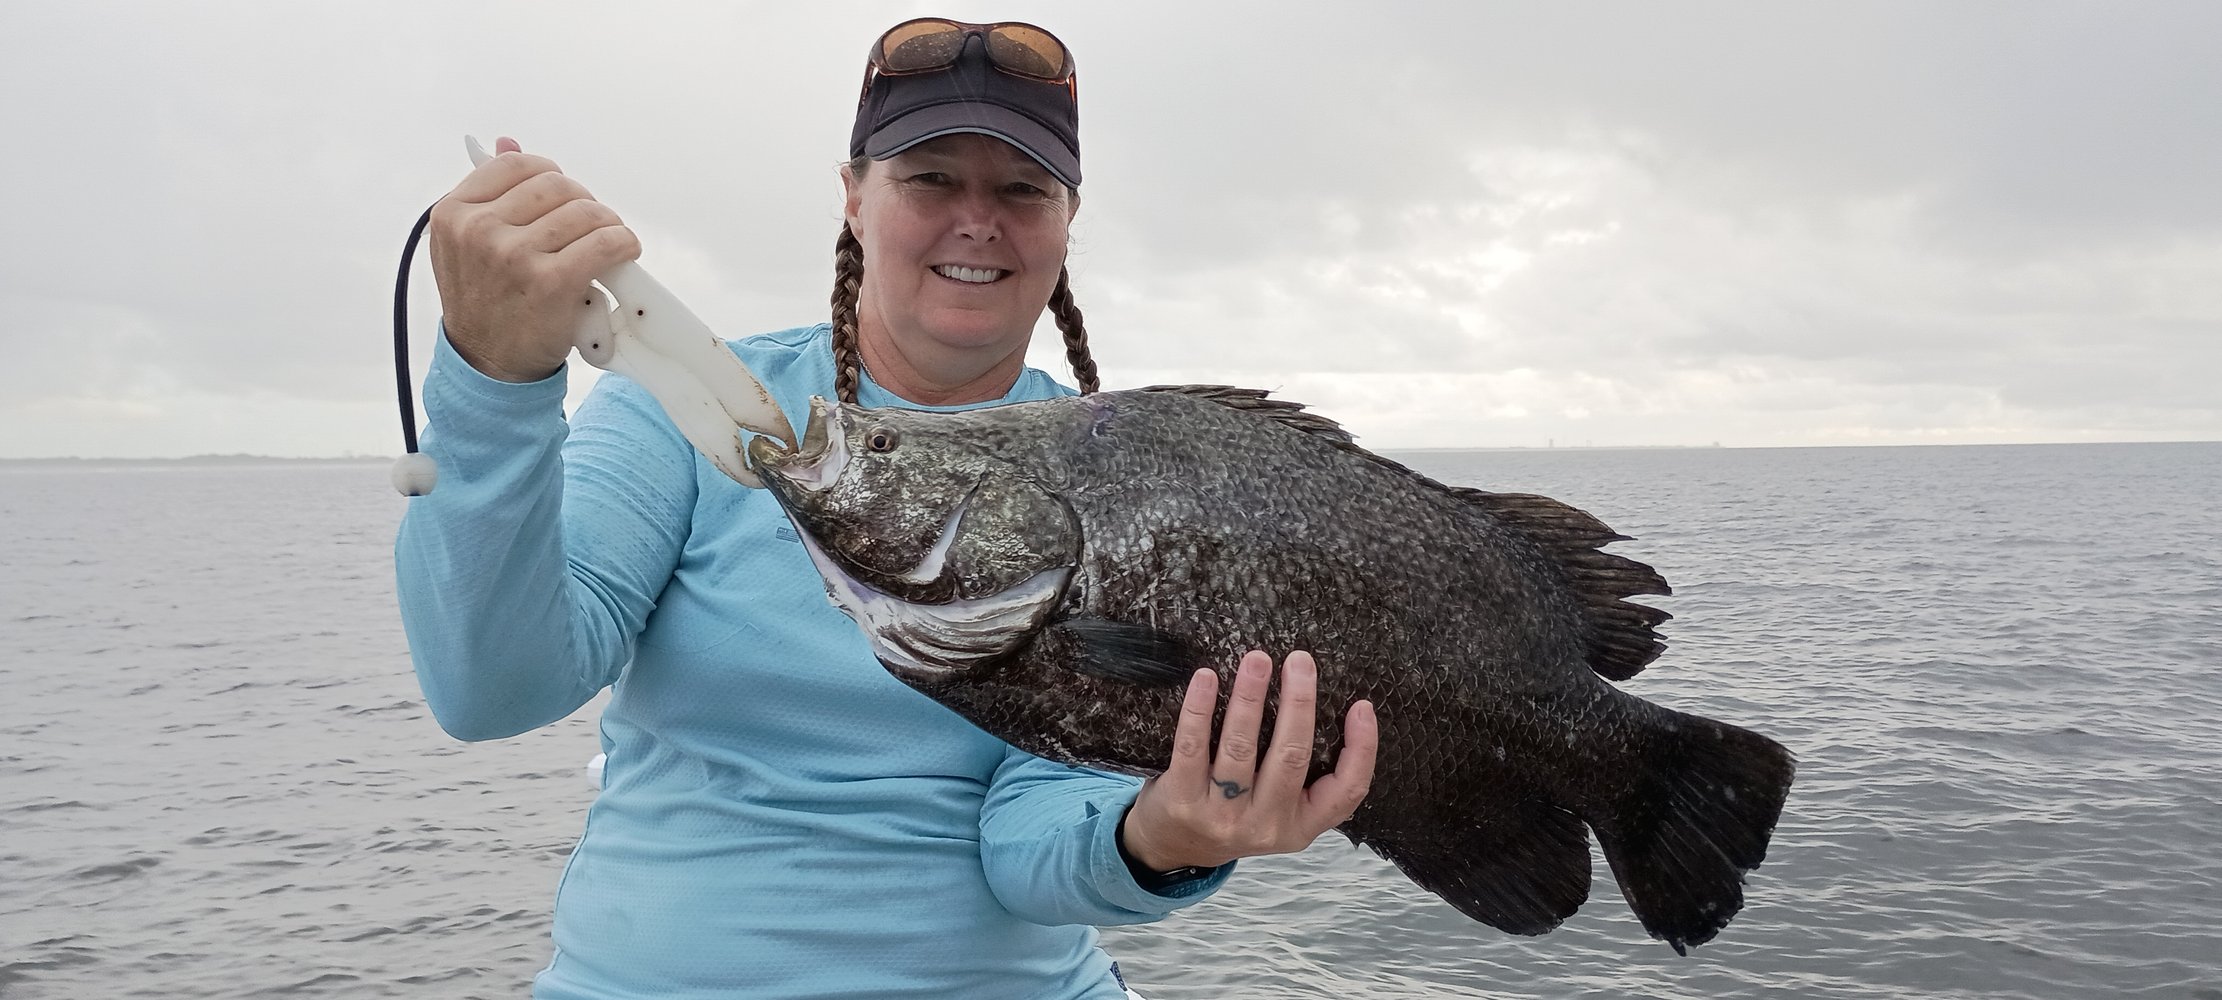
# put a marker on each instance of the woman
(779, 817)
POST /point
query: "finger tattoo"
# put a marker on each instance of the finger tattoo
(1229, 789)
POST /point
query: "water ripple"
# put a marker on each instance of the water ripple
(2005, 711)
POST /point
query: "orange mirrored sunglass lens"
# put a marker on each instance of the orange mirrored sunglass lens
(1023, 49)
(921, 45)
(933, 43)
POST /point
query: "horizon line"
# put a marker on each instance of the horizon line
(218, 457)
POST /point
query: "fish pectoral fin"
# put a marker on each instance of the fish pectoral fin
(1125, 652)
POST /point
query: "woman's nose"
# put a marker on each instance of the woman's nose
(979, 217)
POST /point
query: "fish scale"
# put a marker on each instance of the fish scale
(1185, 525)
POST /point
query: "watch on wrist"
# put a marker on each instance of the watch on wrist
(1159, 881)
(1151, 879)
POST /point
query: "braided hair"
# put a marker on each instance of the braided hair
(848, 280)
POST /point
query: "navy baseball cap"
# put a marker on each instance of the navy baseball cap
(971, 94)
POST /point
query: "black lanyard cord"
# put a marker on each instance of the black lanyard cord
(401, 335)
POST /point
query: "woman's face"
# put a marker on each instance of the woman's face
(963, 237)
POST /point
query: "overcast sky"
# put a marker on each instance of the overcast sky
(1443, 224)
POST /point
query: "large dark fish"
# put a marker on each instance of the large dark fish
(1053, 572)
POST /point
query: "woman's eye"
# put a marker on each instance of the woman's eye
(930, 177)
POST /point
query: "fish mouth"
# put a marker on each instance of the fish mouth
(815, 464)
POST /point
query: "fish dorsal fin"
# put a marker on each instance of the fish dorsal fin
(1621, 639)
(1257, 401)
(1621, 636)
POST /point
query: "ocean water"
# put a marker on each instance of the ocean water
(2000, 667)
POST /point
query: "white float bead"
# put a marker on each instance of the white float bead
(415, 474)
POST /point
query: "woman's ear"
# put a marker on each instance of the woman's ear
(852, 195)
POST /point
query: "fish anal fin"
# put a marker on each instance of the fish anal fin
(1622, 636)
(1121, 651)
(1519, 865)
(1701, 801)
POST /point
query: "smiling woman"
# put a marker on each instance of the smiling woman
(947, 254)
(780, 818)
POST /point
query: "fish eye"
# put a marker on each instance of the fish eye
(881, 439)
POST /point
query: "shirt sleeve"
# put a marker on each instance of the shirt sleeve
(1049, 842)
(527, 573)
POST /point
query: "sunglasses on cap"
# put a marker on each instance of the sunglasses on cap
(929, 44)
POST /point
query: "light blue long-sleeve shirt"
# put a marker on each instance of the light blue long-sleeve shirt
(779, 818)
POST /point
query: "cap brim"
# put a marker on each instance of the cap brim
(982, 119)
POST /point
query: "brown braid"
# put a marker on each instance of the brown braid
(1076, 336)
(848, 278)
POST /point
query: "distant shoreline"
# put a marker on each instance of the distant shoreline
(197, 460)
(221, 460)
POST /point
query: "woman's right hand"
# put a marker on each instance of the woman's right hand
(514, 247)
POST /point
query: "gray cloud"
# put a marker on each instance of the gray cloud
(1442, 223)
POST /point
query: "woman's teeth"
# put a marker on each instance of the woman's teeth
(974, 275)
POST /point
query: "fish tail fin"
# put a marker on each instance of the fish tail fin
(1698, 807)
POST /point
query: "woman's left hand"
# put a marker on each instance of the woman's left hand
(1206, 811)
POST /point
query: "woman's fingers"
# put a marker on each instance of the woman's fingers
(1335, 796)
(1191, 763)
(1288, 761)
(513, 247)
(492, 179)
(585, 238)
(564, 224)
(1235, 772)
(589, 256)
(533, 197)
(1249, 799)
